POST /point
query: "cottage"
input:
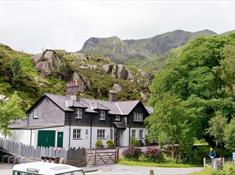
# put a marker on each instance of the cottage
(74, 121)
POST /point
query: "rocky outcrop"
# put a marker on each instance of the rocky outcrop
(118, 71)
(83, 82)
(48, 63)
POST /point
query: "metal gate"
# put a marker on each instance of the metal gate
(98, 157)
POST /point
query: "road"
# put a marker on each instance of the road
(123, 170)
(137, 170)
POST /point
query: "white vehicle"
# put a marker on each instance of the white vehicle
(43, 168)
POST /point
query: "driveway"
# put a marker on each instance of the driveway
(123, 170)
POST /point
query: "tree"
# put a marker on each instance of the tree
(230, 134)
(171, 123)
(9, 110)
(196, 76)
(227, 69)
(216, 129)
(16, 69)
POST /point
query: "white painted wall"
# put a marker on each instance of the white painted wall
(145, 133)
(84, 142)
(22, 136)
(94, 135)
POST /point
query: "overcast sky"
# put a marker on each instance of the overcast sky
(33, 26)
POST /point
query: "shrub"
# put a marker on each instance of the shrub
(135, 142)
(133, 153)
(153, 155)
(229, 169)
(110, 144)
(99, 144)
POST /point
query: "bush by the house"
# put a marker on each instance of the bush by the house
(99, 144)
(153, 155)
(133, 153)
(135, 142)
(110, 144)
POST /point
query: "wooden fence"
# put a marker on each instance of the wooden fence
(29, 152)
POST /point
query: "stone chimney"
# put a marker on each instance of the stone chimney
(73, 89)
(112, 95)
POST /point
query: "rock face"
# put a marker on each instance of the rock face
(83, 82)
(118, 71)
(48, 62)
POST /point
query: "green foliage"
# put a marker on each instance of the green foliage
(190, 90)
(135, 142)
(230, 134)
(10, 110)
(110, 144)
(216, 128)
(172, 123)
(99, 144)
(16, 69)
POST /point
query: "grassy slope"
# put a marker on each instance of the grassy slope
(32, 85)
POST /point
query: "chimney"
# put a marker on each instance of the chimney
(112, 95)
(73, 90)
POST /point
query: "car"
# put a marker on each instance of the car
(44, 168)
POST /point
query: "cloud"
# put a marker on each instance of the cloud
(32, 26)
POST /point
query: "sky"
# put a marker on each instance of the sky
(32, 26)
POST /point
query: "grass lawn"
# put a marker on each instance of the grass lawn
(206, 171)
(153, 164)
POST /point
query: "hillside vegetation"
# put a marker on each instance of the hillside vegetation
(32, 75)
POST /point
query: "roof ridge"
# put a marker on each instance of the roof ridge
(118, 108)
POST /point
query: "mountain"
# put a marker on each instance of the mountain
(32, 75)
(138, 51)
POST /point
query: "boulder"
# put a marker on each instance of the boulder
(83, 81)
(48, 62)
(108, 68)
(122, 72)
(116, 87)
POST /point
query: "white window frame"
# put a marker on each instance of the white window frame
(78, 113)
(133, 133)
(117, 118)
(138, 117)
(35, 113)
(101, 134)
(77, 134)
(102, 115)
(141, 134)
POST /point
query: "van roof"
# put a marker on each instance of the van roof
(45, 168)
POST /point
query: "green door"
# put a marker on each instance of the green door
(60, 137)
(46, 138)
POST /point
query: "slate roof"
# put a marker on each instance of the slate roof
(67, 103)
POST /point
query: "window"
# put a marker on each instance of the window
(133, 134)
(100, 134)
(141, 134)
(117, 118)
(78, 113)
(102, 115)
(76, 134)
(35, 114)
(138, 117)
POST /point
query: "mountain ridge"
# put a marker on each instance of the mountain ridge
(120, 51)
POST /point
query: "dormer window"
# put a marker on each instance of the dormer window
(78, 113)
(138, 117)
(117, 118)
(35, 114)
(102, 115)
